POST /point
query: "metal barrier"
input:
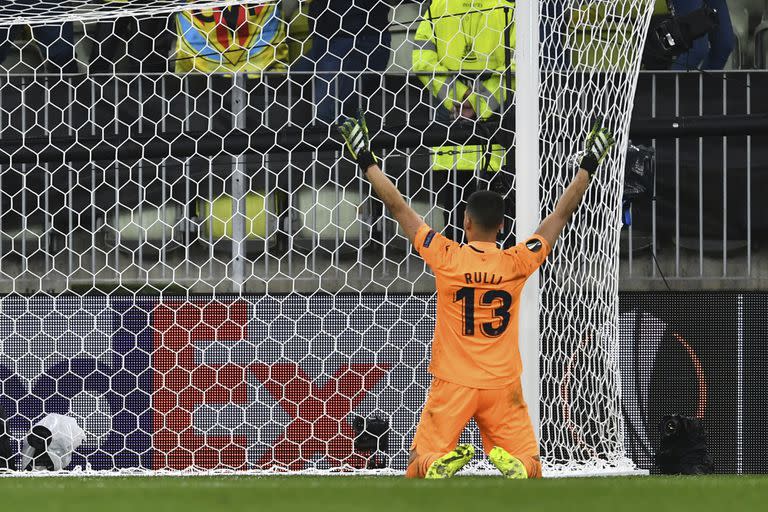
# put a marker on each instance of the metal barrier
(702, 230)
(298, 220)
(60, 224)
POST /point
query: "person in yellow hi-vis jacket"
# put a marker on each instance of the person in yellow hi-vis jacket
(460, 57)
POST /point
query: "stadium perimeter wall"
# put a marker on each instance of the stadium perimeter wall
(244, 383)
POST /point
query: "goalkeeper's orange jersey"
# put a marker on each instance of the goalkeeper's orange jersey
(478, 301)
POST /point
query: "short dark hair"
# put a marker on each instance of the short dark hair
(486, 208)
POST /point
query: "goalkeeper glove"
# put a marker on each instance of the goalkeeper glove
(355, 133)
(598, 145)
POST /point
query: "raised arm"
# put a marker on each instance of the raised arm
(551, 227)
(355, 133)
(599, 144)
(406, 217)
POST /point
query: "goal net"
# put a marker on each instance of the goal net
(192, 270)
(589, 74)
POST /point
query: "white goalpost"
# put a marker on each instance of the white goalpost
(590, 74)
(192, 271)
(527, 208)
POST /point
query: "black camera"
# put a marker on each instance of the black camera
(683, 447)
(671, 36)
(372, 439)
(639, 176)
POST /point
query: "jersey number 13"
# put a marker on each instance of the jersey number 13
(501, 313)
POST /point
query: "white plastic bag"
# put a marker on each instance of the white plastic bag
(66, 437)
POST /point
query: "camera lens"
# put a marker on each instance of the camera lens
(671, 426)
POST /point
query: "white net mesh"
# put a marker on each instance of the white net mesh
(590, 73)
(191, 269)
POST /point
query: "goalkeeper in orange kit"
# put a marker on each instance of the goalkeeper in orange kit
(476, 364)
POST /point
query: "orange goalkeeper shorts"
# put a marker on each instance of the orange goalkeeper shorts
(501, 414)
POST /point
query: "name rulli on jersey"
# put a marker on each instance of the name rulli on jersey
(482, 278)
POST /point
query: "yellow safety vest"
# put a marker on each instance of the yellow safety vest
(468, 36)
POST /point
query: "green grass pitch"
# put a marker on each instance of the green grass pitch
(391, 494)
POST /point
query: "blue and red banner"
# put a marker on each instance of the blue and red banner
(263, 381)
(215, 384)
